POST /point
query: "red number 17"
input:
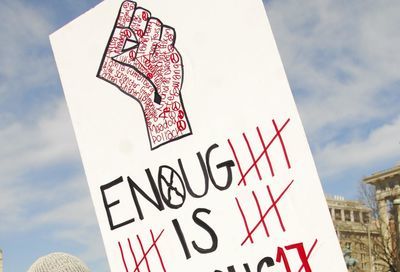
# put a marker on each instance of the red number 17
(281, 256)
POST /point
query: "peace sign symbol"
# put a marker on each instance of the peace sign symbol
(171, 187)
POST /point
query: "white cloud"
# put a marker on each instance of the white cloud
(342, 62)
(381, 144)
(62, 206)
(40, 140)
(73, 220)
(37, 138)
(64, 210)
(24, 61)
(29, 144)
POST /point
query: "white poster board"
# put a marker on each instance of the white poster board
(193, 148)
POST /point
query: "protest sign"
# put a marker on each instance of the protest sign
(194, 152)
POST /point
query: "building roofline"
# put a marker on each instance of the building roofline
(382, 175)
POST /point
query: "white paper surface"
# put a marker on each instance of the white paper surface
(234, 86)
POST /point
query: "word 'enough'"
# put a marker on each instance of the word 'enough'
(171, 187)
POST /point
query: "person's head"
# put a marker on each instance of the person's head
(58, 262)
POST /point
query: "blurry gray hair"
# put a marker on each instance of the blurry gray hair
(58, 262)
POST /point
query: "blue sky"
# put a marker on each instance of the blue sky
(341, 59)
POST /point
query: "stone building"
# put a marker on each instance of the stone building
(1, 260)
(387, 193)
(355, 230)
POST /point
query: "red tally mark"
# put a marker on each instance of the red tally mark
(152, 248)
(256, 160)
(263, 215)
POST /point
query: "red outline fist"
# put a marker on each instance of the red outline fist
(141, 61)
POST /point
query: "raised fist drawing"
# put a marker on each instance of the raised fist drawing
(141, 60)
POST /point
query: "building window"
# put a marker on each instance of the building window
(356, 216)
(389, 207)
(347, 216)
(365, 217)
(338, 214)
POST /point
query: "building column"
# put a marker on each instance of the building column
(342, 214)
(384, 220)
(382, 210)
(396, 207)
(352, 216)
